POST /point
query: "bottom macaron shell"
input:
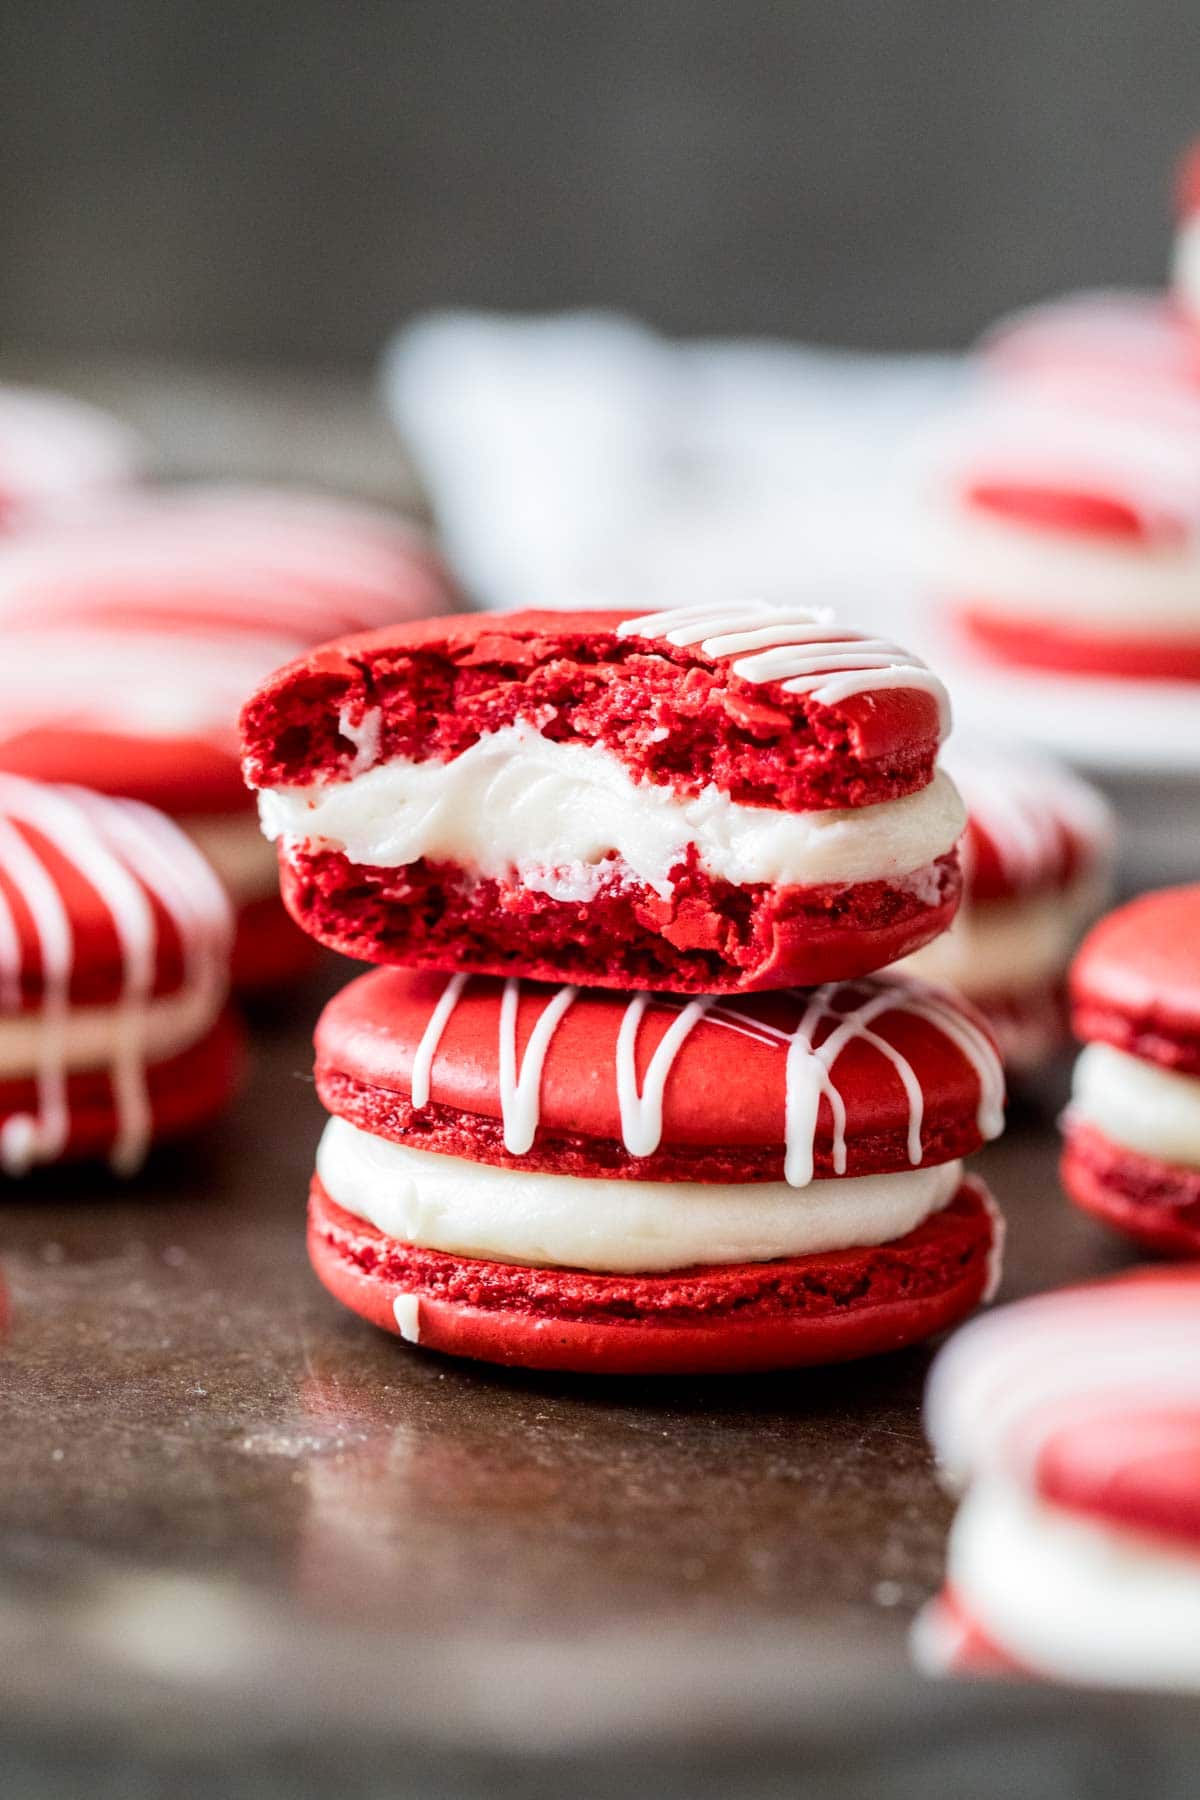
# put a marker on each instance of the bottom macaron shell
(1029, 1026)
(1040, 644)
(708, 937)
(268, 950)
(720, 1320)
(1155, 1203)
(184, 1092)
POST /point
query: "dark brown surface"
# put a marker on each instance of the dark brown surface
(181, 1400)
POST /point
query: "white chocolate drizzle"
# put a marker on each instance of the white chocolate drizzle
(125, 853)
(804, 649)
(809, 1061)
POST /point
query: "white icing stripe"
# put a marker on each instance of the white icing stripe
(521, 1083)
(808, 1071)
(123, 851)
(611, 1225)
(642, 1114)
(431, 1037)
(804, 649)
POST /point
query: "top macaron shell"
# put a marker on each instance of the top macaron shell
(920, 1074)
(1136, 981)
(753, 739)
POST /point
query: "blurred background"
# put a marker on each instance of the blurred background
(285, 182)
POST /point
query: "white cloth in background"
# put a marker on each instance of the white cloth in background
(583, 460)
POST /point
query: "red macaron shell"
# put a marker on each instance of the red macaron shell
(1157, 1204)
(786, 1314)
(1042, 642)
(269, 951)
(724, 1098)
(1136, 1471)
(184, 1092)
(1033, 827)
(708, 936)
(1136, 980)
(97, 963)
(180, 775)
(675, 716)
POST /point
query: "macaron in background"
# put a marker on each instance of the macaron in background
(711, 800)
(131, 634)
(1131, 1154)
(1185, 268)
(57, 454)
(1073, 1422)
(1037, 859)
(115, 939)
(617, 1183)
(1062, 526)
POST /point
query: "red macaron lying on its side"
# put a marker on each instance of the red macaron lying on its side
(130, 636)
(115, 941)
(1073, 1420)
(629, 1183)
(1132, 1150)
(711, 800)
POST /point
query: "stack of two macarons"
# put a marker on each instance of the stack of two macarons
(625, 1094)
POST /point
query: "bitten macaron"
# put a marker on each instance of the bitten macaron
(712, 800)
(115, 940)
(1131, 1154)
(130, 636)
(1073, 1422)
(625, 1183)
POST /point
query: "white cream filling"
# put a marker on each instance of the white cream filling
(580, 1222)
(1075, 1599)
(85, 1037)
(1185, 266)
(1012, 946)
(1120, 588)
(235, 847)
(1135, 1103)
(554, 812)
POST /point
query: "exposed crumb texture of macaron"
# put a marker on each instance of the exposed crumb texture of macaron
(706, 934)
(674, 715)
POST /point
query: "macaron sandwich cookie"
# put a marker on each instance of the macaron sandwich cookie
(1186, 264)
(625, 1183)
(130, 636)
(1132, 1130)
(711, 800)
(1073, 1422)
(1037, 863)
(114, 967)
(1064, 515)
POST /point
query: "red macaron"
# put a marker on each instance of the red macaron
(1073, 1421)
(130, 635)
(1132, 1132)
(1037, 863)
(714, 800)
(1065, 517)
(115, 941)
(623, 1183)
